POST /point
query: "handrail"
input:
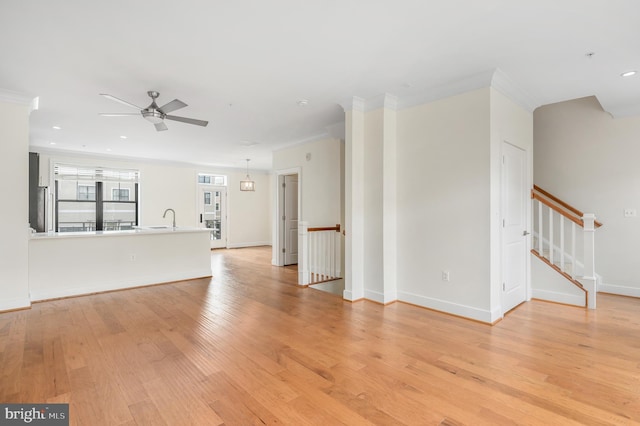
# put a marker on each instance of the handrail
(558, 201)
(564, 213)
(325, 228)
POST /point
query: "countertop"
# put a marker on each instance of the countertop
(141, 230)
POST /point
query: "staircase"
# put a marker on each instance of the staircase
(319, 254)
(563, 238)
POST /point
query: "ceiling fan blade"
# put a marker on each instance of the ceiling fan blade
(113, 98)
(117, 114)
(161, 126)
(187, 120)
(172, 106)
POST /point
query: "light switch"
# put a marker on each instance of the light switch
(630, 213)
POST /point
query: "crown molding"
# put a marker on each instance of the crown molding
(354, 103)
(445, 90)
(12, 97)
(620, 111)
(503, 84)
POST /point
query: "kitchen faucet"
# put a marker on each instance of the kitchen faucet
(174, 216)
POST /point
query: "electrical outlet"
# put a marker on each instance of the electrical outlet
(630, 213)
(132, 257)
(446, 276)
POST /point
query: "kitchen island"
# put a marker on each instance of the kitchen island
(74, 263)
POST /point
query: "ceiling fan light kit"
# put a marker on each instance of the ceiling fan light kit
(155, 114)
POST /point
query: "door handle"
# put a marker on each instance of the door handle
(525, 233)
(200, 217)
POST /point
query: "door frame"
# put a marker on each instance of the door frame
(527, 184)
(201, 187)
(277, 257)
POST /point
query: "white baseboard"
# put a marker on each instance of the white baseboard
(470, 312)
(350, 296)
(552, 296)
(619, 290)
(57, 293)
(251, 244)
(12, 304)
(379, 297)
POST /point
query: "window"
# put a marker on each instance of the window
(208, 179)
(86, 192)
(120, 194)
(207, 198)
(95, 199)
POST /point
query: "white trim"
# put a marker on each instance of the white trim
(448, 89)
(384, 298)
(354, 103)
(12, 304)
(470, 312)
(121, 284)
(553, 296)
(503, 84)
(619, 290)
(249, 244)
(9, 96)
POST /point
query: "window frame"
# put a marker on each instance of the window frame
(99, 203)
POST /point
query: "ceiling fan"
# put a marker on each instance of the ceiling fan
(153, 113)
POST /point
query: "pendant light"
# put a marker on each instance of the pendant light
(247, 184)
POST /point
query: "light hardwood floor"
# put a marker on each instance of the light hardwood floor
(249, 347)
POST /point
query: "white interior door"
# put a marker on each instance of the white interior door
(514, 235)
(290, 219)
(212, 212)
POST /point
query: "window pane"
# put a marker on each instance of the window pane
(118, 191)
(75, 216)
(117, 216)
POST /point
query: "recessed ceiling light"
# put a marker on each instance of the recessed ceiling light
(628, 73)
(56, 128)
(303, 102)
(123, 137)
(52, 143)
(108, 149)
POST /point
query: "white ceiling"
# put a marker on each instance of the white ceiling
(244, 64)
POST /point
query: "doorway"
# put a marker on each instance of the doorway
(212, 213)
(514, 195)
(289, 199)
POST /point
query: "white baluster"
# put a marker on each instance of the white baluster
(589, 276)
(551, 235)
(540, 233)
(561, 242)
(573, 250)
(303, 245)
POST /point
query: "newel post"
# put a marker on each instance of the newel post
(303, 253)
(589, 278)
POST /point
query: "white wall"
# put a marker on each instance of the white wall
(590, 160)
(513, 124)
(373, 205)
(14, 214)
(320, 176)
(165, 185)
(443, 153)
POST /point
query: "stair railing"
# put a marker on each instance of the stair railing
(320, 258)
(552, 214)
